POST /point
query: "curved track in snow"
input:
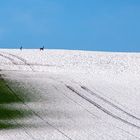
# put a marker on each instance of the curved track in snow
(13, 59)
(110, 103)
(103, 109)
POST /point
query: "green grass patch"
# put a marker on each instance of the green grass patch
(6, 96)
(8, 111)
(7, 125)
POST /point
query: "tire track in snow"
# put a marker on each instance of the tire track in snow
(115, 102)
(93, 115)
(29, 64)
(91, 112)
(102, 108)
(110, 103)
(12, 60)
(19, 58)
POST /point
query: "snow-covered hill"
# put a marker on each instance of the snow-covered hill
(77, 95)
(94, 62)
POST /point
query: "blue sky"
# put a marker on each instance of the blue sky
(101, 25)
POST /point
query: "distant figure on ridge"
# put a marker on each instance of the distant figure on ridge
(21, 48)
(41, 49)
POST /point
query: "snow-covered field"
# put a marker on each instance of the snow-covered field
(75, 95)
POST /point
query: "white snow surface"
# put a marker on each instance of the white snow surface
(79, 95)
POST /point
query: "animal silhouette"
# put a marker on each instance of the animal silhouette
(41, 49)
(21, 48)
